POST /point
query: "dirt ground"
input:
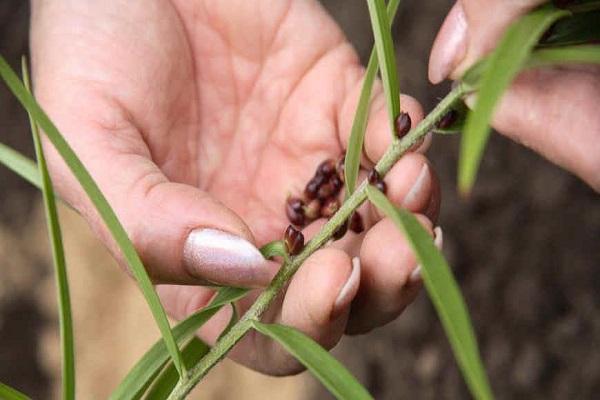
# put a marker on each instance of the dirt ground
(525, 249)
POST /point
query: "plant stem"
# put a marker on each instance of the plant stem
(288, 269)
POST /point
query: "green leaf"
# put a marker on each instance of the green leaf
(148, 367)
(58, 257)
(583, 54)
(21, 165)
(317, 360)
(579, 29)
(503, 65)
(273, 249)
(361, 116)
(8, 393)
(444, 293)
(460, 108)
(387, 59)
(104, 209)
(162, 387)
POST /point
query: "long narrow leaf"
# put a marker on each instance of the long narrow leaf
(444, 293)
(503, 65)
(8, 393)
(168, 378)
(317, 360)
(584, 54)
(147, 368)
(58, 257)
(359, 125)
(104, 209)
(21, 165)
(387, 59)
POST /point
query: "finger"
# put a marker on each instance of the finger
(471, 29)
(377, 136)
(412, 184)
(387, 263)
(555, 113)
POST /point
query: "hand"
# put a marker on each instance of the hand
(551, 110)
(197, 119)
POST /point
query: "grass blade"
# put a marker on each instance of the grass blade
(273, 249)
(192, 352)
(500, 69)
(21, 165)
(148, 367)
(444, 292)
(8, 393)
(58, 257)
(104, 210)
(317, 360)
(584, 54)
(359, 125)
(387, 59)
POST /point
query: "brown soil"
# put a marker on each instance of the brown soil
(524, 249)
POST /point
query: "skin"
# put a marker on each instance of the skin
(208, 114)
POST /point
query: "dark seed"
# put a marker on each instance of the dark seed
(447, 120)
(326, 168)
(294, 240)
(341, 231)
(325, 191)
(313, 210)
(337, 183)
(356, 223)
(381, 186)
(294, 209)
(373, 177)
(329, 208)
(403, 124)
(311, 189)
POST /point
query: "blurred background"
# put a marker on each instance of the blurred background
(525, 249)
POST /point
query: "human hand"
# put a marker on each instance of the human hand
(554, 111)
(197, 119)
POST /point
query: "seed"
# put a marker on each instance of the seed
(341, 167)
(312, 211)
(294, 240)
(447, 120)
(341, 231)
(403, 124)
(311, 189)
(337, 184)
(356, 223)
(294, 209)
(373, 176)
(330, 207)
(325, 191)
(326, 168)
(381, 186)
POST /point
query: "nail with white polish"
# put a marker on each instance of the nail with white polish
(348, 291)
(438, 240)
(411, 200)
(221, 257)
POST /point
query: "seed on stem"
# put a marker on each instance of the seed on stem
(403, 124)
(375, 180)
(340, 231)
(294, 240)
(447, 119)
(356, 224)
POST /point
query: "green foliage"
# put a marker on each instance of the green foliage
(583, 54)
(8, 393)
(317, 360)
(21, 165)
(444, 293)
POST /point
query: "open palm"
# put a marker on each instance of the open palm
(208, 114)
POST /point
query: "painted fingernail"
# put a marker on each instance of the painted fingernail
(450, 45)
(412, 199)
(221, 257)
(348, 291)
(438, 240)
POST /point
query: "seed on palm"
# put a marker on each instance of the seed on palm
(330, 207)
(403, 124)
(294, 210)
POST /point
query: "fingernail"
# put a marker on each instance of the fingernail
(224, 258)
(348, 291)
(438, 240)
(411, 200)
(450, 45)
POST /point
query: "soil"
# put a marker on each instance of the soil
(523, 249)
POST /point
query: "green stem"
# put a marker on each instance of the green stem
(288, 269)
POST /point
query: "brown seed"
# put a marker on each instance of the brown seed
(337, 184)
(326, 168)
(403, 124)
(356, 223)
(373, 176)
(311, 189)
(294, 209)
(330, 207)
(447, 120)
(381, 186)
(294, 240)
(341, 231)
(312, 210)
(326, 191)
